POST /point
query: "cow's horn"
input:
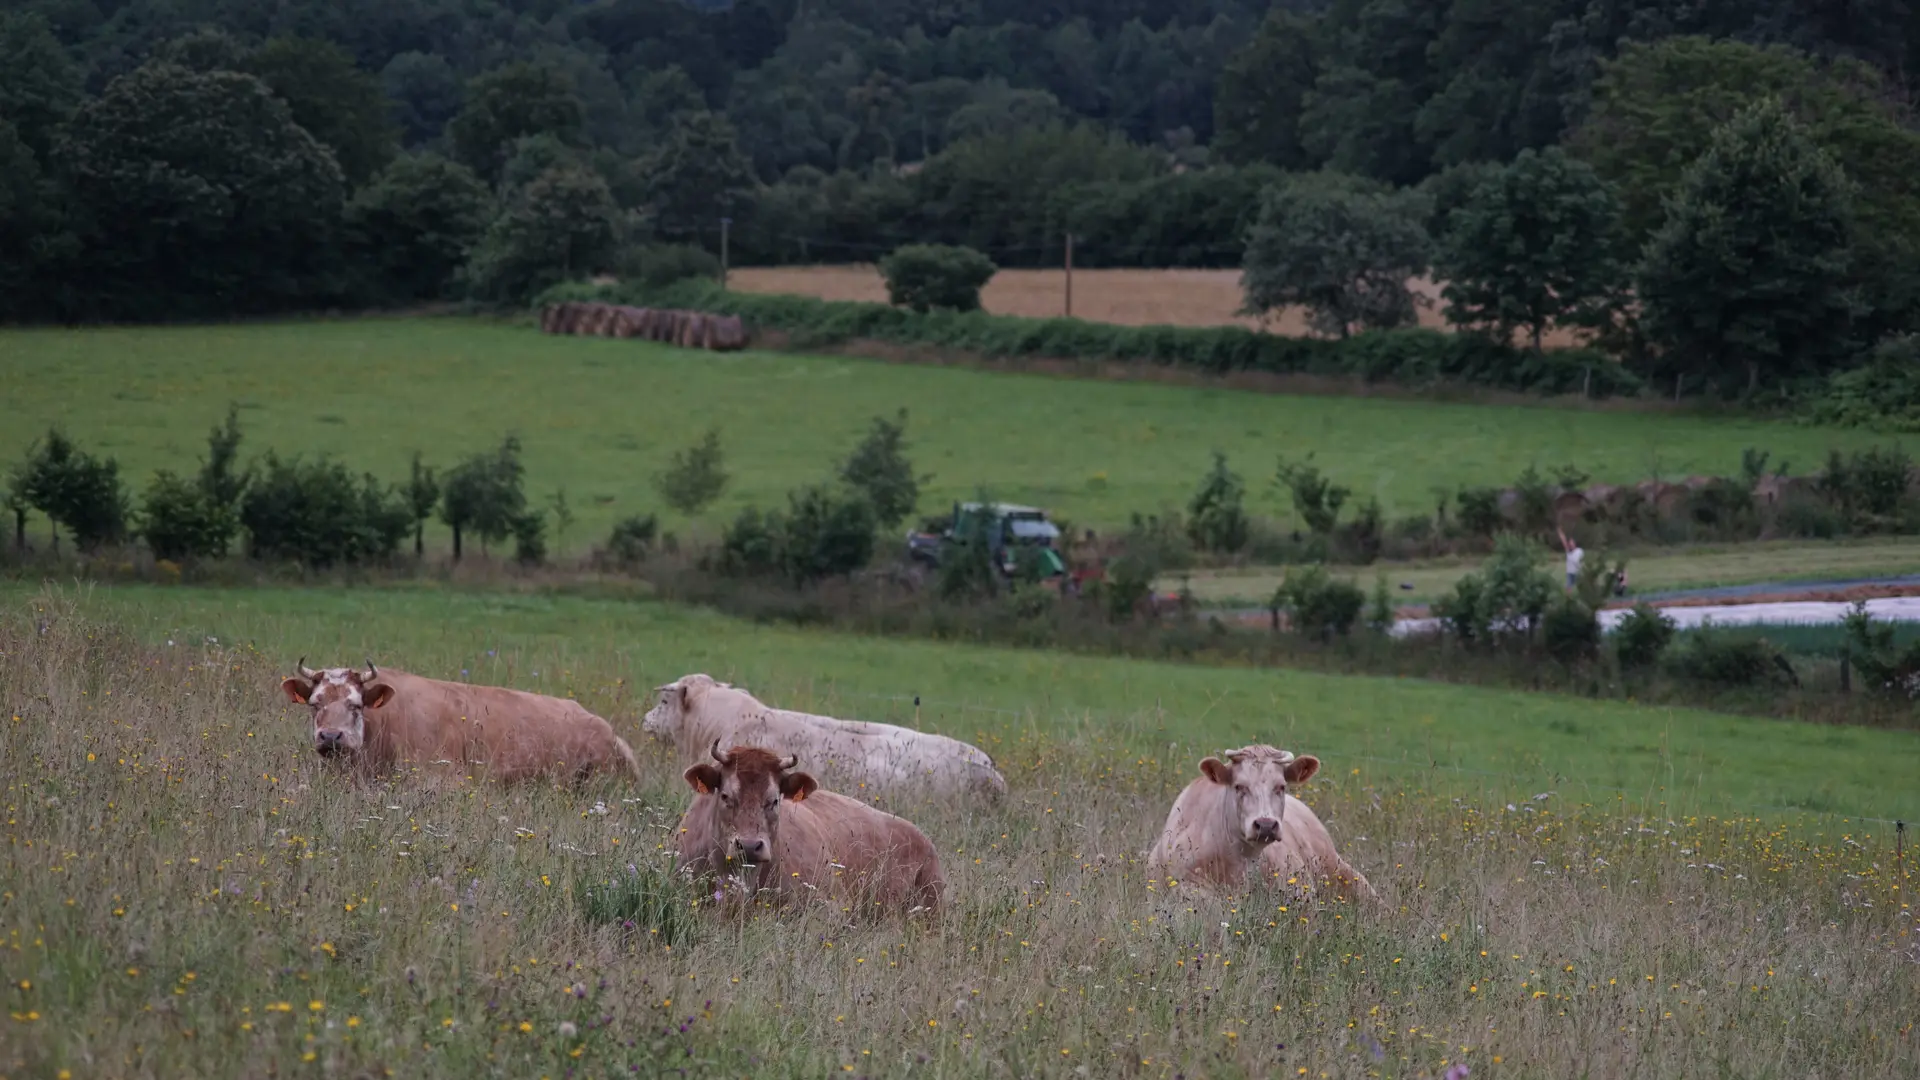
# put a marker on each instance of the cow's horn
(305, 671)
(789, 762)
(717, 755)
(372, 672)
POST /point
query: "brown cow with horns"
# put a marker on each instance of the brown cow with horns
(378, 720)
(779, 830)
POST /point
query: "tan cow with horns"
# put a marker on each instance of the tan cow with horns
(781, 832)
(1240, 814)
(379, 720)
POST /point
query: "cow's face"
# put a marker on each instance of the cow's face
(750, 784)
(672, 703)
(338, 699)
(1257, 779)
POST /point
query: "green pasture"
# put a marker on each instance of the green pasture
(1701, 567)
(601, 417)
(1503, 744)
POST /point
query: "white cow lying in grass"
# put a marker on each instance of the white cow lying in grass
(1239, 814)
(857, 758)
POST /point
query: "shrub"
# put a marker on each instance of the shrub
(1161, 541)
(1867, 485)
(1358, 541)
(1217, 516)
(750, 546)
(695, 476)
(1317, 605)
(422, 494)
(632, 539)
(1128, 584)
(1459, 610)
(1883, 393)
(966, 563)
(827, 532)
(1380, 608)
(1480, 511)
(923, 277)
(1506, 599)
(879, 468)
(180, 521)
(1315, 498)
(483, 495)
(1642, 636)
(1884, 667)
(657, 265)
(1709, 656)
(1569, 631)
(318, 513)
(77, 491)
(530, 538)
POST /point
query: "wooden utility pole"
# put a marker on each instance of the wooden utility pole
(725, 223)
(1069, 275)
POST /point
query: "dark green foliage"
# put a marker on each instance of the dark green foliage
(422, 494)
(199, 195)
(966, 564)
(507, 104)
(1642, 636)
(1533, 248)
(1713, 656)
(1479, 512)
(1257, 104)
(413, 227)
(562, 225)
(655, 265)
(319, 514)
(696, 176)
(76, 490)
(1128, 585)
(880, 469)
(1411, 356)
(826, 532)
(1569, 631)
(1343, 252)
(1882, 393)
(183, 519)
(632, 539)
(750, 546)
(336, 102)
(1217, 516)
(923, 277)
(1504, 601)
(695, 476)
(1317, 605)
(1866, 486)
(1380, 615)
(530, 538)
(1747, 282)
(39, 82)
(1316, 498)
(483, 495)
(1884, 666)
(425, 93)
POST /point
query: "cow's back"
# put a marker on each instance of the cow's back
(511, 734)
(843, 845)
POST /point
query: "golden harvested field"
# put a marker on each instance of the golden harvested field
(1127, 297)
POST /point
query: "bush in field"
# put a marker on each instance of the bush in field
(632, 539)
(1318, 605)
(1316, 498)
(530, 538)
(966, 564)
(1569, 631)
(1380, 608)
(422, 494)
(1866, 486)
(1128, 584)
(198, 518)
(1505, 599)
(1884, 667)
(1480, 511)
(484, 495)
(696, 476)
(77, 491)
(1344, 253)
(923, 277)
(827, 532)
(1713, 657)
(750, 546)
(1642, 636)
(318, 513)
(656, 265)
(1217, 516)
(1161, 541)
(879, 468)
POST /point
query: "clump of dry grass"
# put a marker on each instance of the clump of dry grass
(1173, 297)
(188, 892)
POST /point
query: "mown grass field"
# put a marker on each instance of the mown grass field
(186, 892)
(602, 416)
(1705, 566)
(1127, 297)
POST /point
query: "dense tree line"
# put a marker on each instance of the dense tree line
(1611, 164)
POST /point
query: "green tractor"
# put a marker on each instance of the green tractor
(1011, 532)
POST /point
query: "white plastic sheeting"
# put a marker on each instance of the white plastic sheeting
(1810, 612)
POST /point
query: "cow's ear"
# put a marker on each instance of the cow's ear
(798, 785)
(1302, 769)
(703, 779)
(298, 690)
(374, 696)
(1216, 770)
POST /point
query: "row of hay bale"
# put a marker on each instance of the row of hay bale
(688, 329)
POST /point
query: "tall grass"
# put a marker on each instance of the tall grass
(189, 892)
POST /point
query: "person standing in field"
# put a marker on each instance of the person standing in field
(1575, 554)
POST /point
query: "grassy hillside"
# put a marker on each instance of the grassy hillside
(611, 653)
(602, 416)
(187, 891)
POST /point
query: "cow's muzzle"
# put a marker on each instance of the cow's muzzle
(1263, 830)
(329, 743)
(750, 852)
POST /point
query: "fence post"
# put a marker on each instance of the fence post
(1069, 275)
